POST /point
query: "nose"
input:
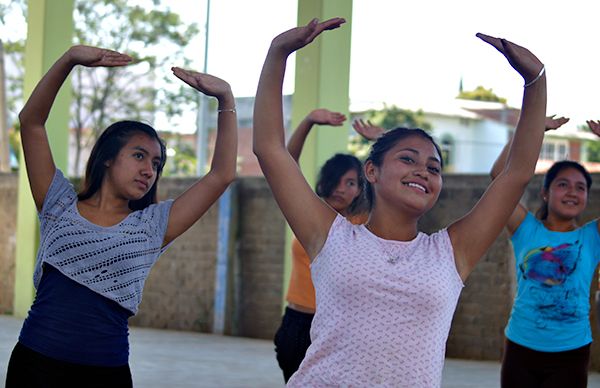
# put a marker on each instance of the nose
(148, 170)
(421, 172)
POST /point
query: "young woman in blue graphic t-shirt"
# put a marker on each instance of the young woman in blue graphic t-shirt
(548, 335)
(98, 246)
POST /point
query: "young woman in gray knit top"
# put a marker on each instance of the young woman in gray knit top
(98, 246)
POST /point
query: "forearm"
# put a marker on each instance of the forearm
(37, 108)
(296, 142)
(224, 160)
(268, 114)
(527, 140)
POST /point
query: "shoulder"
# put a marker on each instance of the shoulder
(438, 241)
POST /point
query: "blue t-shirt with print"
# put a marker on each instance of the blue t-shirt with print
(554, 270)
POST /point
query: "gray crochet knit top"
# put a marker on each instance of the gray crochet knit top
(113, 261)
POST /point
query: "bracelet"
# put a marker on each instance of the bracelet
(536, 78)
(232, 110)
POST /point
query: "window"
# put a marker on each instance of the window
(555, 150)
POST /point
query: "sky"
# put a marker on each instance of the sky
(414, 53)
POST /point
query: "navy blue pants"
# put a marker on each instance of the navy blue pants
(28, 368)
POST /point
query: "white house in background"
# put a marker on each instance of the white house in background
(473, 133)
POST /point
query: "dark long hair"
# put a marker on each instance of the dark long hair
(386, 142)
(331, 173)
(107, 147)
(542, 212)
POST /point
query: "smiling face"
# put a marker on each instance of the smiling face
(409, 176)
(134, 170)
(567, 194)
(345, 192)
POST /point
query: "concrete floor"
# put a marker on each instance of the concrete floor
(161, 358)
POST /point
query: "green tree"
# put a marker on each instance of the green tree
(481, 94)
(145, 31)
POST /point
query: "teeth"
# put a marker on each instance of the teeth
(416, 185)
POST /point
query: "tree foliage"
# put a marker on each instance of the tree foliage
(481, 94)
(146, 32)
(149, 32)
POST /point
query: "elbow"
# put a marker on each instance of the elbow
(520, 177)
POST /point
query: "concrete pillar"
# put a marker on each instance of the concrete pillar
(49, 34)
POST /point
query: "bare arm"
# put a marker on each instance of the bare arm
(520, 211)
(308, 216)
(317, 116)
(197, 199)
(36, 149)
(473, 234)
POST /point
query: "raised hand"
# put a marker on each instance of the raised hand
(296, 38)
(594, 126)
(367, 130)
(95, 57)
(205, 83)
(552, 123)
(326, 117)
(521, 59)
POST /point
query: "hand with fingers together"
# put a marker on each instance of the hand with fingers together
(296, 38)
(367, 130)
(552, 123)
(594, 126)
(205, 83)
(520, 58)
(97, 57)
(326, 117)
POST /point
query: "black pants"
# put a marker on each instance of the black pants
(291, 341)
(527, 368)
(31, 369)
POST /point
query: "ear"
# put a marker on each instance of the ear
(544, 195)
(371, 172)
(107, 164)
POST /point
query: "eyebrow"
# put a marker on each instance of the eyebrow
(414, 151)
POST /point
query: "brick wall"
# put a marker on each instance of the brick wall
(179, 292)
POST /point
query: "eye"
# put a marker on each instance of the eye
(562, 184)
(407, 159)
(434, 170)
(155, 165)
(138, 155)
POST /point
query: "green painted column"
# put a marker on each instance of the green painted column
(322, 81)
(49, 34)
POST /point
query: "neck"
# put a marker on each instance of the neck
(558, 224)
(392, 225)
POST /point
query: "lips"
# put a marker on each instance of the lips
(142, 184)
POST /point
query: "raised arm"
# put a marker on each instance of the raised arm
(36, 149)
(309, 217)
(520, 211)
(317, 116)
(473, 234)
(197, 199)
